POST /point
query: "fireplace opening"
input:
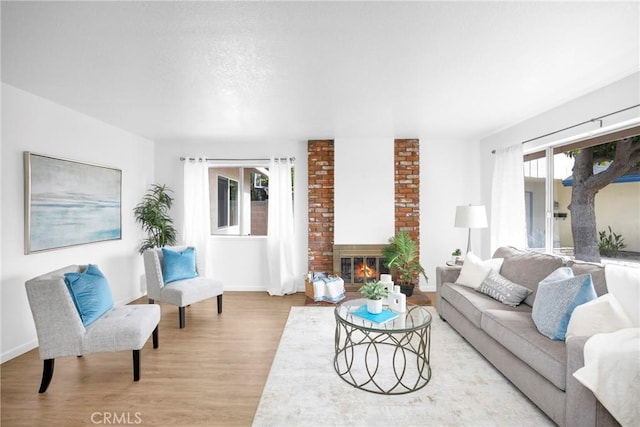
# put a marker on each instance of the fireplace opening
(361, 269)
(357, 264)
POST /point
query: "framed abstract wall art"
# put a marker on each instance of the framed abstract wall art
(69, 203)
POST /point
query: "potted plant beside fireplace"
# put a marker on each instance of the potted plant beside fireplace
(401, 257)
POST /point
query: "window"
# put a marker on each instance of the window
(227, 202)
(548, 233)
(239, 199)
(548, 195)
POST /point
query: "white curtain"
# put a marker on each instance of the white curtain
(508, 223)
(196, 211)
(281, 251)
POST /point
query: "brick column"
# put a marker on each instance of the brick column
(407, 187)
(321, 204)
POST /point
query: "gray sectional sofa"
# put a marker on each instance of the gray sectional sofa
(507, 337)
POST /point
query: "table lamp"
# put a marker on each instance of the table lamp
(470, 217)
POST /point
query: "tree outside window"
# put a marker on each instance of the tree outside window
(595, 202)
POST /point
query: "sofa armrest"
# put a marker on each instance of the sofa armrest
(583, 409)
(445, 274)
(581, 403)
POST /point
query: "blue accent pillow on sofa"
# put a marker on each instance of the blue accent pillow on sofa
(90, 293)
(178, 265)
(558, 295)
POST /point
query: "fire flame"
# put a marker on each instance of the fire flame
(364, 270)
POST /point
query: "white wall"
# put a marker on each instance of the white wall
(449, 173)
(364, 191)
(31, 123)
(621, 94)
(239, 261)
(449, 176)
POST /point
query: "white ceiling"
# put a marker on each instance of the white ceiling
(247, 70)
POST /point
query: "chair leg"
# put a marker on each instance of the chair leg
(155, 337)
(47, 374)
(219, 303)
(181, 316)
(151, 301)
(136, 365)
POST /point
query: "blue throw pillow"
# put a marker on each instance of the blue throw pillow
(178, 265)
(558, 295)
(90, 293)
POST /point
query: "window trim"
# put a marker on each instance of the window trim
(228, 200)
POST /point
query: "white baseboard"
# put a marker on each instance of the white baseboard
(18, 351)
(246, 288)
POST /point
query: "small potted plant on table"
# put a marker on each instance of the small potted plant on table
(456, 256)
(374, 292)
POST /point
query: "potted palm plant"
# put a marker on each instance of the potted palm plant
(153, 215)
(374, 292)
(401, 257)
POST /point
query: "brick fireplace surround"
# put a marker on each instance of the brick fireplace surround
(321, 197)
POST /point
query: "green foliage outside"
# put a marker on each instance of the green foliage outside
(610, 244)
(601, 153)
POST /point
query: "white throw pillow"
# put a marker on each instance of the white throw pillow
(601, 315)
(624, 283)
(474, 270)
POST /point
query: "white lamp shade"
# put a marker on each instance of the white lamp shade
(471, 216)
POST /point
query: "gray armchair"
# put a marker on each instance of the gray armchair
(61, 332)
(181, 292)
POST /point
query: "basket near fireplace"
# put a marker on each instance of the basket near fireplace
(401, 255)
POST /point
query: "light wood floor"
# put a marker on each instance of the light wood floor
(210, 373)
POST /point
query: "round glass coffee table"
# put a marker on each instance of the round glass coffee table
(384, 358)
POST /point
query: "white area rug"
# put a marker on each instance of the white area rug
(465, 390)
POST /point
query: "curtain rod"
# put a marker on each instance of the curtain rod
(595, 119)
(210, 159)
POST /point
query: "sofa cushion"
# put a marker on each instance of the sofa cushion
(602, 315)
(188, 291)
(624, 283)
(502, 289)
(471, 303)
(527, 268)
(474, 270)
(178, 265)
(90, 293)
(123, 328)
(517, 333)
(596, 271)
(558, 295)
